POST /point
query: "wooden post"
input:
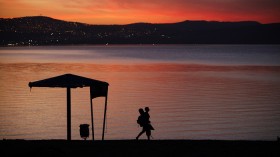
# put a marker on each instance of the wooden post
(104, 119)
(92, 127)
(68, 113)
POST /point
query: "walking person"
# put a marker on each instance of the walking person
(149, 126)
(144, 122)
(147, 109)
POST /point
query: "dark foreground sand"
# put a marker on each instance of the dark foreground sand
(143, 148)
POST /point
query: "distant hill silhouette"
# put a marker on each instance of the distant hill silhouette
(40, 30)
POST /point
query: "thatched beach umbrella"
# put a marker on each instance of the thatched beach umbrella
(97, 89)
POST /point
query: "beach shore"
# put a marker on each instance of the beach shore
(162, 148)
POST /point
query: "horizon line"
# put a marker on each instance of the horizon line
(142, 22)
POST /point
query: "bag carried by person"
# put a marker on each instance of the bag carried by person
(140, 121)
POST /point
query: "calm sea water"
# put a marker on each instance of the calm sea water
(228, 92)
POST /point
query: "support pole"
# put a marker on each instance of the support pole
(92, 128)
(104, 119)
(68, 114)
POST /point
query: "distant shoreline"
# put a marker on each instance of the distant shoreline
(40, 30)
(5, 46)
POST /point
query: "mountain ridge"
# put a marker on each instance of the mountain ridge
(185, 21)
(42, 30)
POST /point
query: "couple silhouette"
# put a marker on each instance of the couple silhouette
(144, 122)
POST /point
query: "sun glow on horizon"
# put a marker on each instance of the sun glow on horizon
(158, 11)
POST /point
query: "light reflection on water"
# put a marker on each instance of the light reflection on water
(193, 91)
(127, 54)
(187, 101)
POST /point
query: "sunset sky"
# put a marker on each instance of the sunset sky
(152, 11)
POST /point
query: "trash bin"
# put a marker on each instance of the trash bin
(84, 131)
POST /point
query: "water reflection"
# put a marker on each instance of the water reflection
(187, 101)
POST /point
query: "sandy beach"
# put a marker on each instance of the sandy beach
(189, 148)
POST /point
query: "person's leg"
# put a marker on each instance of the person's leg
(148, 133)
(140, 134)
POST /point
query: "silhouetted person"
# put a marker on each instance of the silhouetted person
(147, 109)
(149, 125)
(143, 121)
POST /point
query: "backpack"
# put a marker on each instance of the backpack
(140, 120)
